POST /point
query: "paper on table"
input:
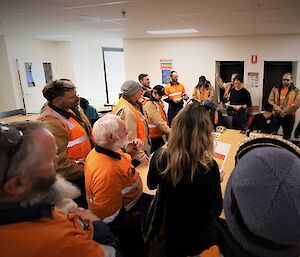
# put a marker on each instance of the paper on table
(221, 153)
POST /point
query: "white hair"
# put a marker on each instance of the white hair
(104, 127)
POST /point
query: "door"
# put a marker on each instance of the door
(114, 73)
(226, 70)
(273, 72)
(33, 75)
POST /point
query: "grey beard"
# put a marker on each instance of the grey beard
(52, 194)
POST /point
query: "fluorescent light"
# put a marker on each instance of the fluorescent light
(90, 18)
(172, 31)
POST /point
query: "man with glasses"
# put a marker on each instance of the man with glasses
(285, 100)
(71, 129)
(30, 189)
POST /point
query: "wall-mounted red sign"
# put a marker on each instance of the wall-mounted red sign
(253, 59)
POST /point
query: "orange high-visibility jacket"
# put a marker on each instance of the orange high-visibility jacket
(174, 91)
(111, 183)
(78, 145)
(156, 118)
(140, 124)
(203, 93)
(60, 236)
(288, 102)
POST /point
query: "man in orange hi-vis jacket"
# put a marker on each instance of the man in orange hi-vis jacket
(176, 94)
(30, 188)
(113, 186)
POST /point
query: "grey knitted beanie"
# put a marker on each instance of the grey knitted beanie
(130, 87)
(262, 202)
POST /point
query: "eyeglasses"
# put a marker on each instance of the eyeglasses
(10, 141)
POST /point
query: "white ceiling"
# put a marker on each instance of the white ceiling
(60, 19)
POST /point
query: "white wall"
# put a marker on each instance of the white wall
(23, 48)
(78, 60)
(7, 101)
(88, 67)
(193, 57)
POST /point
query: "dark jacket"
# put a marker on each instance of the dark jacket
(188, 208)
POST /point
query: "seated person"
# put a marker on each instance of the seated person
(113, 186)
(261, 202)
(264, 122)
(89, 110)
(29, 225)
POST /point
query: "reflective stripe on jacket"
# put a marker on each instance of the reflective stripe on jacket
(111, 184)
(140, 124)
(289, 98)
(79, 144)
(174, 91)
(156, 118)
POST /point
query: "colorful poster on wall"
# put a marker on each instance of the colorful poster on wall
(253, 79)
(166, 65)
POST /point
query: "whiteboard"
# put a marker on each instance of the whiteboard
(114, 68)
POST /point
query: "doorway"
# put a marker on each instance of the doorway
(114, 72)
(226, 68)
(273, 72)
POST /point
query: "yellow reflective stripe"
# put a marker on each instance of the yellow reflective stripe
(132, 203)
(110, 218)
(81, 160)
(77, 141)
(152, 126)
(131, 187)
(176, 93)
(70, 124)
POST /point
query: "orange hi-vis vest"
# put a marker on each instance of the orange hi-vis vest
(174, 91)
(111, 183)
(154, 131)
(140, 125)
(213, 251)
(59, 236)
(79, 144)
(202, 94)
(289, 96)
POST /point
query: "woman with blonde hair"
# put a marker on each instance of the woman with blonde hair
(188, 183)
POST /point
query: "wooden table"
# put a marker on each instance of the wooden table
(230, 136)
(20, 117)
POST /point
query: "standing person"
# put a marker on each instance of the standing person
(238, 102)
(30, 188)
(176, 94)
(265, 122)
(113, 186)
(204, 91)
(226, 86)
(145, 82)
(188, 182)
(71, 129)
(131, 111)
(285, 100)
(156, 117)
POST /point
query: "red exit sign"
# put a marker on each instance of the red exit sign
(253, 59)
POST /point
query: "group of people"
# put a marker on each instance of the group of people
(43, 164)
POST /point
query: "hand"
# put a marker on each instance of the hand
(282, 114)
(84, 214)
(134, 146)
(144, 159)
(237, 107)
(177, 100)
(185, 97)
